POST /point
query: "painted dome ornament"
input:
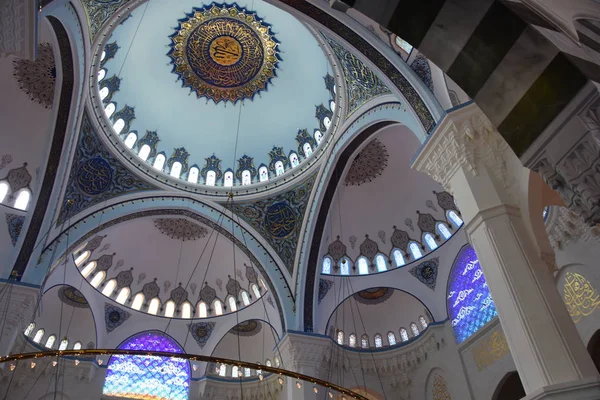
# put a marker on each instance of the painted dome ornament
(224, 53)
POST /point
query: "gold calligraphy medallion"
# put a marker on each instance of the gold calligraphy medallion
(224, 53)
(580, 296)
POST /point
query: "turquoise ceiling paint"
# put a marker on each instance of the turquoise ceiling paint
(201, 126)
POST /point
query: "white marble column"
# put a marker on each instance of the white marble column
(473, 162)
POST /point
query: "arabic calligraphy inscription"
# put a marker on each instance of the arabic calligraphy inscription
(580, 297)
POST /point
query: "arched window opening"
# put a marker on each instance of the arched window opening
(279, 169)
(82, 257)
(414, 329)
(144, 377)
(398, 258)
(109, 110)
(456, 220)
(294, 160)
(23, 200)
(186, 310)
(123, 296)
(232, 304)
(326, 266)
(176, 169)
(29, 329)
(131, 139)
(318, 136)
(38, 336)
(101, 74)
(344, 267)
(234, 371)
(50, 341)
(218, 307)
(268, 363)
(327, 122)
(144, 152)
(138, 301)
(77, 346)
(63, 344)
(246, 177)
(103, 56)
(202, 310)
(170, 309)
(228, 179)
(404, 334)
(246, 372)
(392, 338)
(256, 291)
(211, 178)
(109, 287)
(381, 263)
(352, 340)
(104, 92)
(332, 106)
(307, 149)
(423, 322)
(89, 268)
(443, 230)
(364, 342)
(415, 251)
(193, 175)
(223, 370)
(245, 298)
(119, 125)
(3, 190)
(263, 174)
(98, 278)
(430, 241)
(378, 341)
(340, 337)
(154, 306)
(363, 266)
(159, 162)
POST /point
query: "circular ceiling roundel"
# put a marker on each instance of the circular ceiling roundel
(224, 53)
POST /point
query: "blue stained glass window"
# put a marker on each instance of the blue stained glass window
(470, 303)
(455, 218)
(430, 242)
(444, 230)
(148, 377)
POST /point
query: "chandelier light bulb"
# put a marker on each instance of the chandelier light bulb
(330, 395)
(298, 385)
(100, 362)
(240, 374)
(76, 362)
(32, 365)
(260, 377)
(12, 367)
(315, 389)
(194, 367)
(280, 380)
(54, 363)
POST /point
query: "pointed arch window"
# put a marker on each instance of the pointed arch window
(256, 291)
(344, 267)
(415, 251)
(170, 309)
(23, 200)
(176, 169)
(234, 371)
(263, 174)
(398, 258)
(223, 370)
(404, 334)
(364, 342)
(50, 341)
(154, 306)
(391, 338)
(327, 122)
(89, 268)
(456, 220)
(228, 179)
(307, 148)
(211, 178)
(29, 329)
(131, 139)
(138, 301)
(3, 190)
(82, 257)
(109, 110)
(340, 337)
(38, 336)
(326, 266)
(218, 307)
(186, 310)
(123, 295)
(245, 298)
(144, 152)
(159, 162)
(119, 125)
(378, 340)
(63, 344)
(98, 278)
(232, 304)
(104, 92)
(318, 136)
(279, 169)
(430, 241)
(193, 175)
(363, 266)
(423, 322)
(109, 287)
(443, 230)
(381, 263)
(414, 329)
(202, 310)
(352, 340)
(246, 177)
(294, 160)
(101, 74)
(77, 346)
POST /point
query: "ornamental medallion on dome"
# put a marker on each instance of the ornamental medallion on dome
(224, 53)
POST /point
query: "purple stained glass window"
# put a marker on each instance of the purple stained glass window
(470, 303)
(146, 377)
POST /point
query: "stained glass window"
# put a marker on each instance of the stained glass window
(211, 178)
(363, 266)
(404, 334)
(414, 329)
(364, 342)
(147, 377)
(38, 336)
(101, 74)
(246, 177)
(63, 344)
(326, 265)
(470, 303)
(29, 329)
(307, 149)
(263, 174)
(430, 242)
(415, 250)
(352, 340)
(104, 92)
(398, 258)
(443, 230)
(381, 264)
(50, 341)
(318, 136)
(391, 338)
(234, 371)
(423, 322)
(455, 218)
(378, 341)
(109, 110)
(294, 161)
(228, 180)
(223, 370)
(279, 169)
(340, 337)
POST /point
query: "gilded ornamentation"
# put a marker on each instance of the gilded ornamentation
(180, 228)
(224, 53)
(37, 78)
(373, 296)
(580, 297)
(72, 297)
(426, 272)
(114, 317)
(490, 350)
(440, 388)
(247, 328)
(280, 220)
(99, 11)
(94, 176)
(201, 332)
(368, 164)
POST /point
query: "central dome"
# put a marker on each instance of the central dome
(215, 95)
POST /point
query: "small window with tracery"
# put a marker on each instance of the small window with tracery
(294, 160)
(211, 178)
(404, 334)
(391, 338)
(352, 340)
(414, 329)
(228, 179)
(364, 342)
(456, 220)
(279, 169)
(307, 149)
(378, 341)
(246, 177)
(318, 136)
(423, 322)
(326, 266)
(340, 337)
(263, 174)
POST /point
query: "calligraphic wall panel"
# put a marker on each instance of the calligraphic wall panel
(580, 296)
